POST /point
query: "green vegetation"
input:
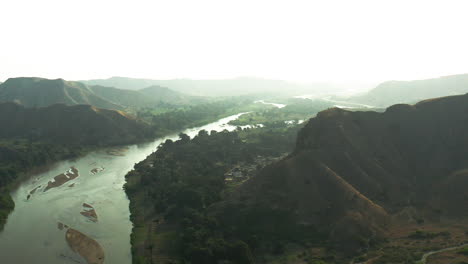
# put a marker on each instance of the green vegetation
(296, 109)
(44, 135)
(399, 255)
(463, 251)
(6, 206)
(71, 125)
(180, 183)
(418, 234)
(168, 118)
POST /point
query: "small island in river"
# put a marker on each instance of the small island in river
(85, 246)
(60, 179)
(89, 212)
(97, 170)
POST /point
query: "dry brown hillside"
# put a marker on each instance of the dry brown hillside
(353, 174)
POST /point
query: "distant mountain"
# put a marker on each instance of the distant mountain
(163, 94)
(352, 173)
(227, 87)
(122, 83)
(79, 124)
(137, 99)
(147, 97)
(39, 92)
(395, 92)
(122, 97)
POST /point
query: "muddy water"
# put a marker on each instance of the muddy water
(31, 234)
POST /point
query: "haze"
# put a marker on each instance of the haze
(339, 41)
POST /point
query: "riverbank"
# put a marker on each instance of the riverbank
(20, 160)
(147, 247)
(184, 178)
(33, 222)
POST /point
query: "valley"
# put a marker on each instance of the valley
(374, 198)
(233, 132)
(242, 179)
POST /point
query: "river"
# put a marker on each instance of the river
(339, 104)
(31, 234)
(273, 104)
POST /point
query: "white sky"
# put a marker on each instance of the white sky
(294, 40)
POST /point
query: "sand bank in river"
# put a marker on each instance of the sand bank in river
(33, 191)
(97, 170)
(60, 179)
(117, 151)
(61, 226)
(85, 246)
(89, 212)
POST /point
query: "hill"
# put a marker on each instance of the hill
(165, 95)
(34, 137)
(40, 92)
(122, 97)
(353, 182)
(353, 173)
(61, 124)
(149, 97)
(395, 92)
(224, 87)
(122, 83)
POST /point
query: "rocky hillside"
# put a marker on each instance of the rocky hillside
(353, 173)
(80, 124)
(352, 182)
(395, 92)
(398, 157)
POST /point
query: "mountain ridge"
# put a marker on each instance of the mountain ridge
(41, 92)
(394, 92)
(216, 87)
(352, 173)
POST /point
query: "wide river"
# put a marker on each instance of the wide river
(31, 234)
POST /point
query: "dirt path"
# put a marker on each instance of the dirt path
(430, 253)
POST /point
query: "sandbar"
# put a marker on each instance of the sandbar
(85, 246)
(60, 179)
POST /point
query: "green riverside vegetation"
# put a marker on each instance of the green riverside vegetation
(173, 190)
(21, 151)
